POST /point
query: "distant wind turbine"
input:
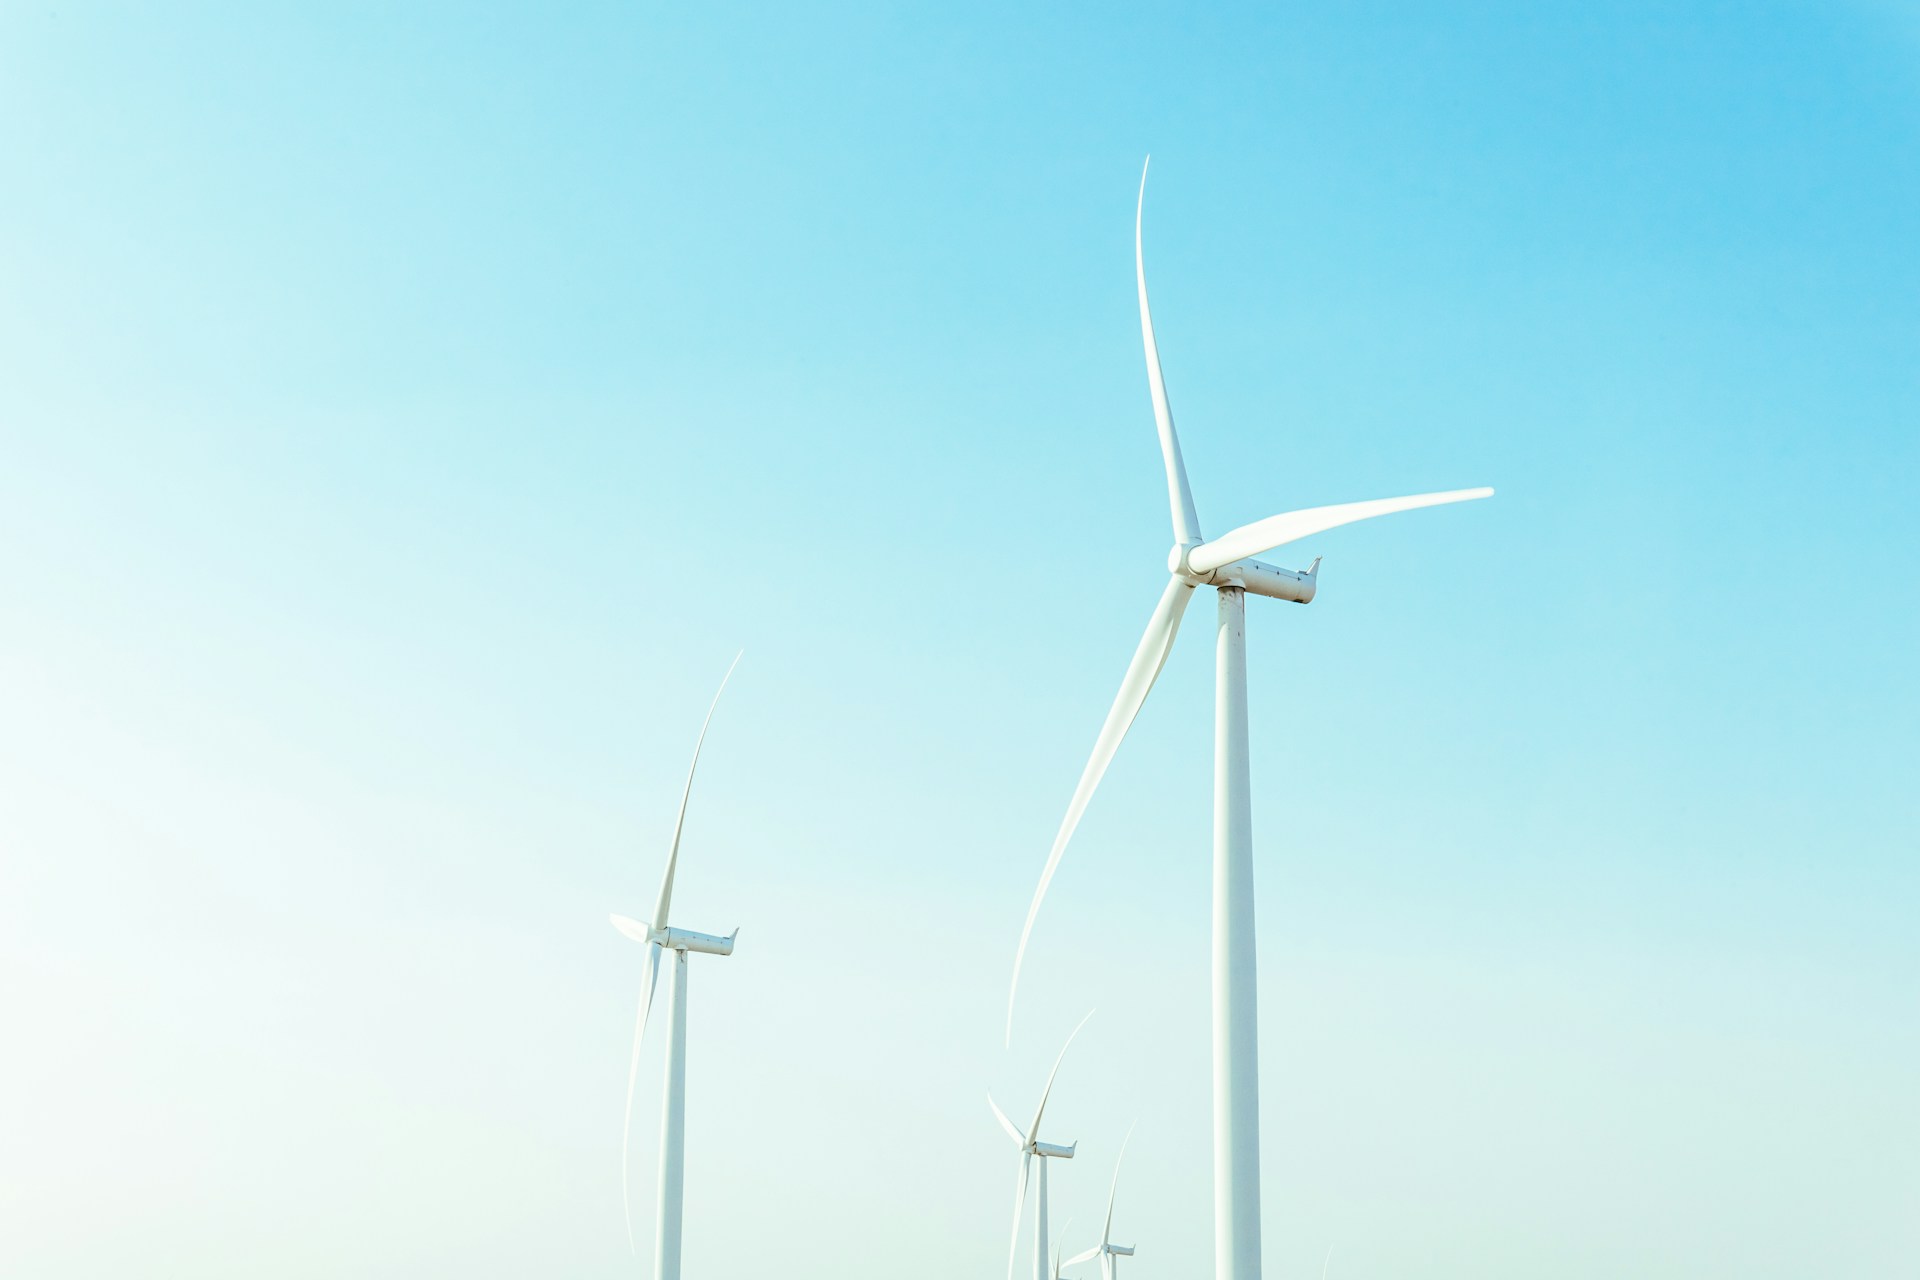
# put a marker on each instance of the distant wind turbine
(1031, 1148)
(1056, 1249)
(659, 937)
(1107, 1251)
(1225, 564)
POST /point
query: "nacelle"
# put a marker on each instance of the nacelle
(1264, 579)
(1054, 1150)
(706, 943)
(1124, 1250)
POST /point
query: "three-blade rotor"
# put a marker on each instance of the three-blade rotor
(1107, 1249)
(654, 936)
(1029, 1142)
(1057, 1264)
(1194, 563)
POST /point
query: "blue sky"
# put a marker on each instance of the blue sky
(407, 415)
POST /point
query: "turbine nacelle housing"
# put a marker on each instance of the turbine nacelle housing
(705, 943)
(675, 939)
(1257, 576)
(1054, 1150)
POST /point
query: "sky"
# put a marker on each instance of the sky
(407, 412)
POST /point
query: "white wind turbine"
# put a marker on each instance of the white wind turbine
(1056, 1250)
(1031, 1148)
(660, 937)
(1107, 1251)
(1225, 564)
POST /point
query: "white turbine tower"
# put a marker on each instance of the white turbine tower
(1225, 564)
(659, 937)
(1031, 1148)
(1107, 1251)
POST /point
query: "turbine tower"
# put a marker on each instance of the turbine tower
(1226, 564)
(1031, 1148)
(1107, 1251)
(660, 937)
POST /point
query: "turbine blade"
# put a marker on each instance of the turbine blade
(633, 1074)
(1019, 1205)
(632, 928)
(1324, 1261)
(1276, 531)
(1186, 522)
(673, 854)
(1079, 1258)
(1034, 1132)
(1057, 1238)
(1142, 671)
(1106, 1233)
(1008, 1125)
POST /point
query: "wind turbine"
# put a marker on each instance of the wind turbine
(1107, 1251)
(1031, 1148)
(1226, 564)
(660, 937)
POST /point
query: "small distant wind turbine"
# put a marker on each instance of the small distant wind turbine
(1107, 1251)
(1226, 564)
(1031, 1148)
(660, 937)
(1056, 1249)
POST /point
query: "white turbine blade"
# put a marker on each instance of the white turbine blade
(1106, 1233)
(632, 928)
(1142, 671)
(1058, 1236)
(1019, 1204)
(1324, 1261)
(1008, 1125)
(1277, 531)
(1079, 1258)
(673, 854)
(633, 1074)
(1034, 1133)
(1186, 522)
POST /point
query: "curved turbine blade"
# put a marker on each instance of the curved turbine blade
(1276, 531)
(1033, 1133)
(633, 1074)
(1019, 1205)
(1058, 1237)
(1005, 1123)
(1324, 1261)
(1106, 1233)
(1088, 1256)
(673, 854)
(1186, 522)
(632, 928)
(1142, 671)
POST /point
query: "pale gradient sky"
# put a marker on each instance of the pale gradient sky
(405, 415)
